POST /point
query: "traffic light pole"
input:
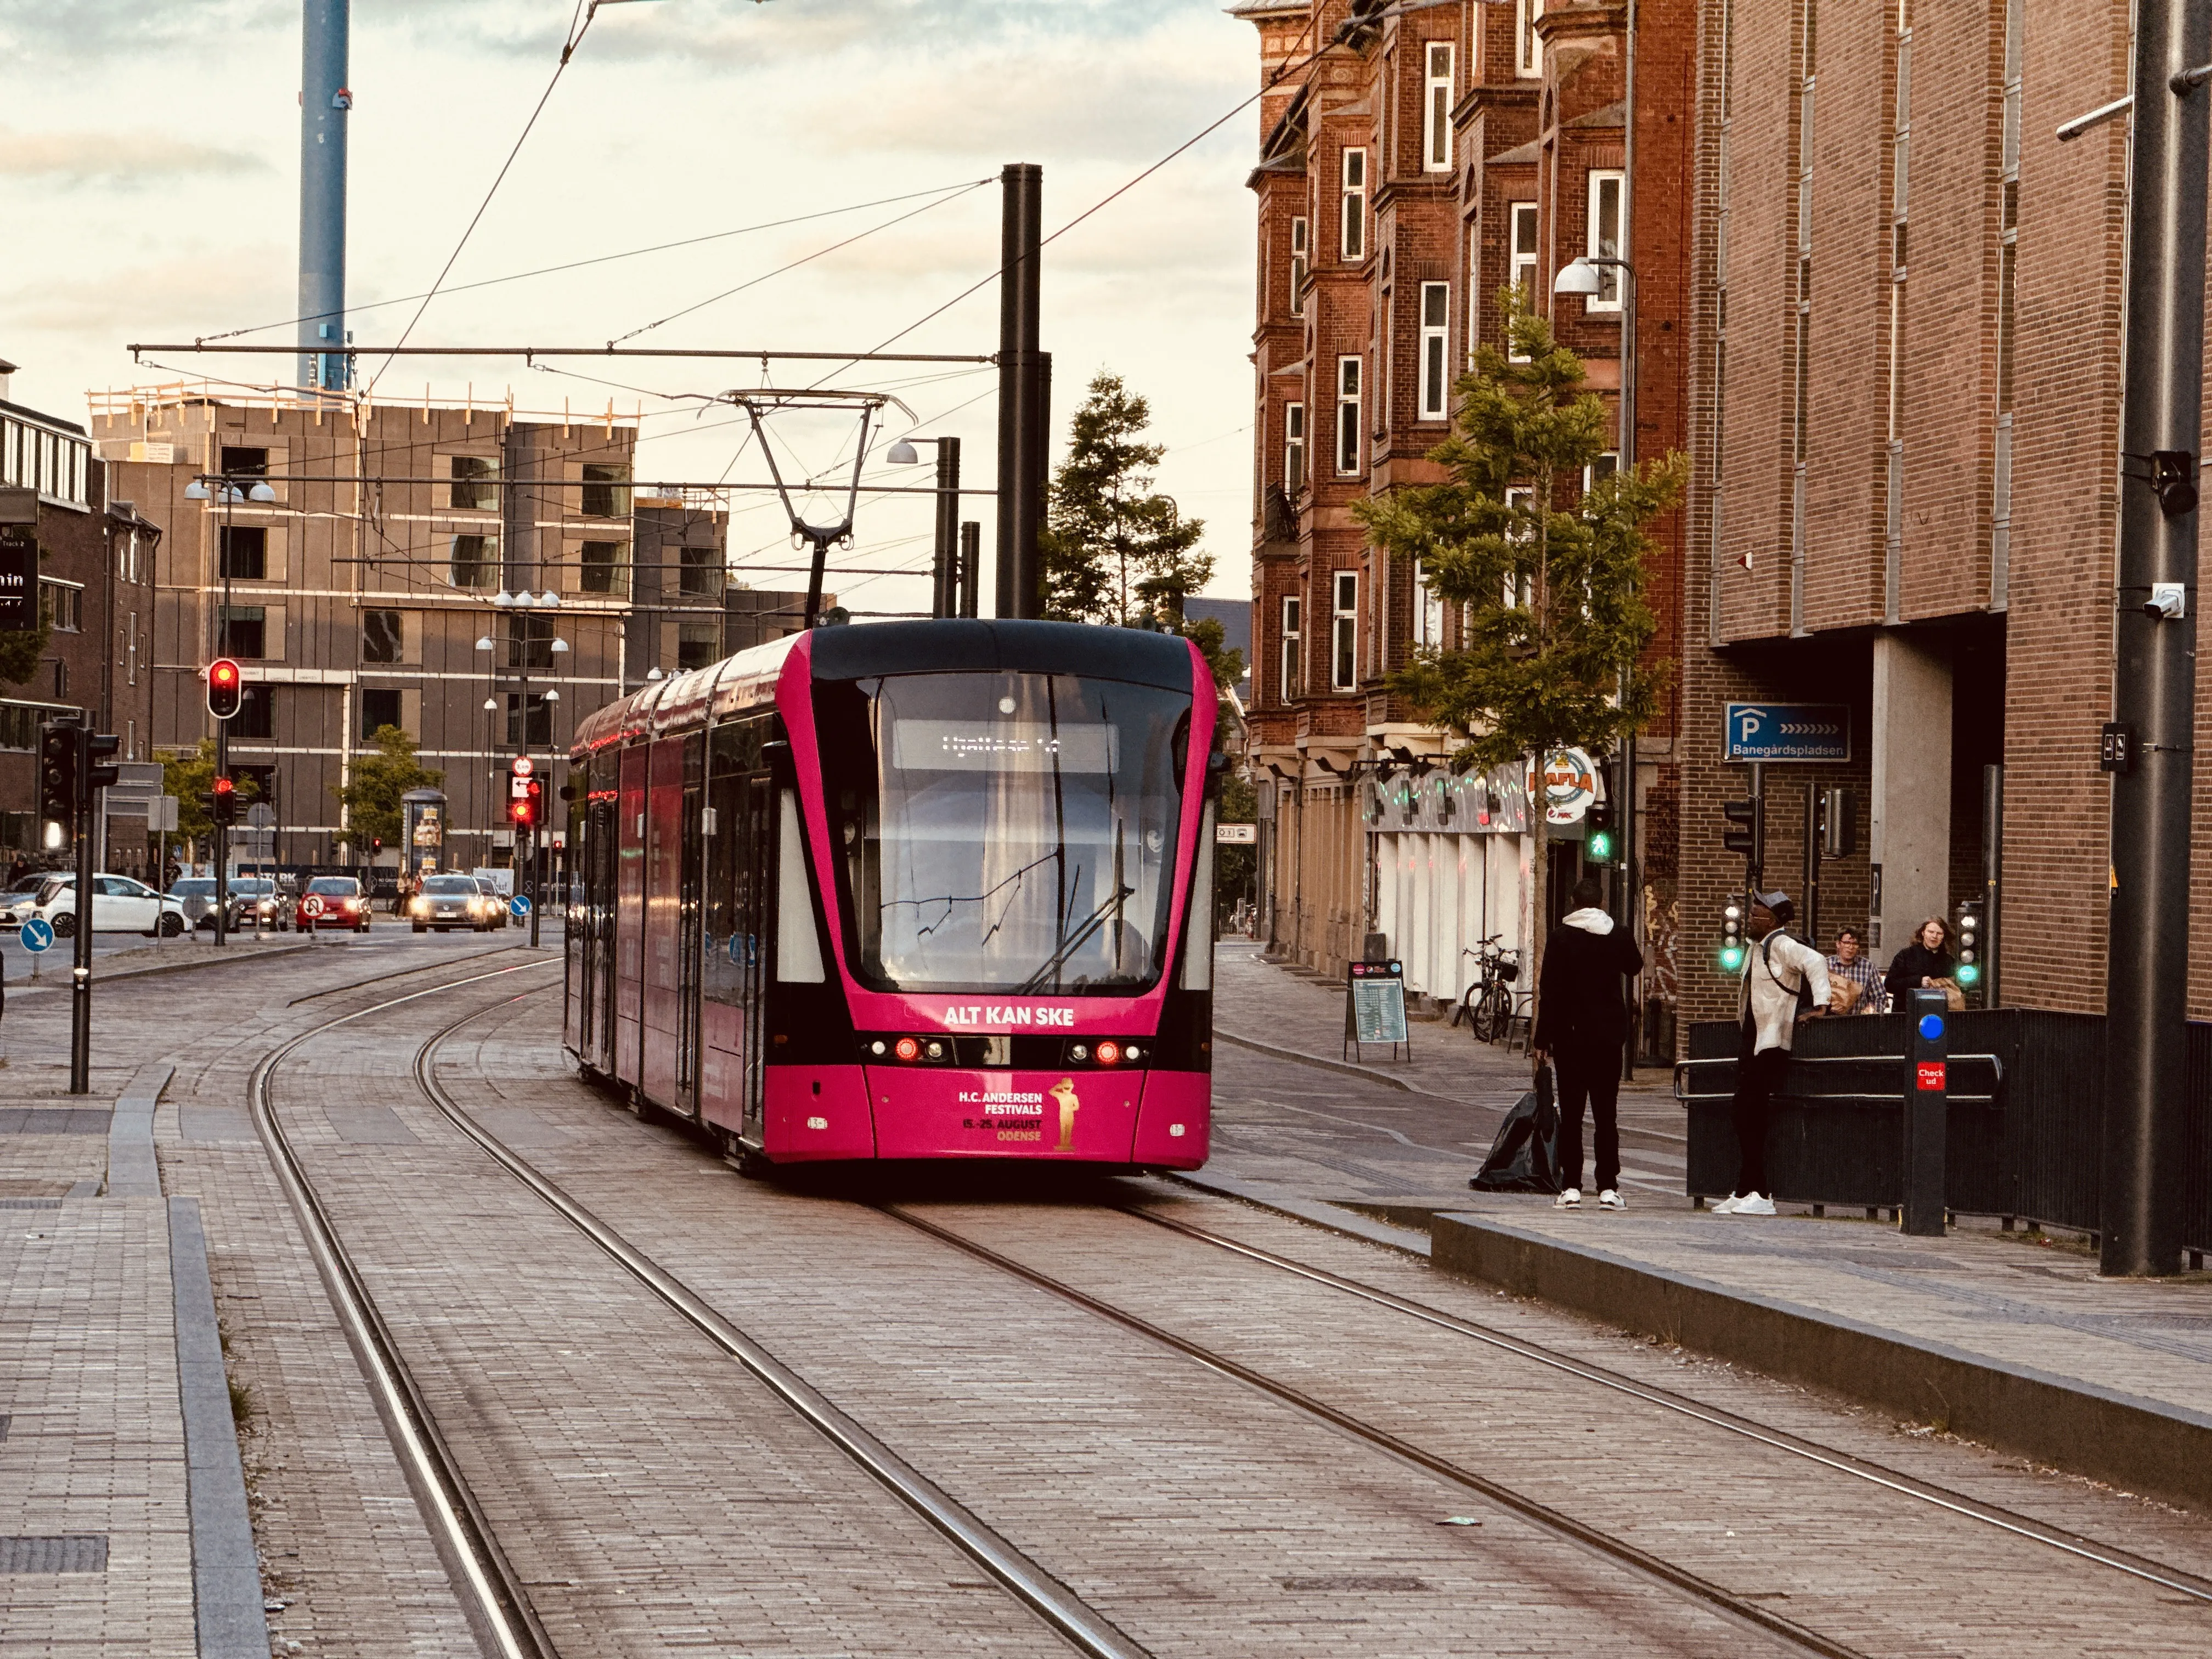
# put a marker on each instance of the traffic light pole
(221, 836)
(536, 881)
(80, 967)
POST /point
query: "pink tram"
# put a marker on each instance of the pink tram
(927, 889)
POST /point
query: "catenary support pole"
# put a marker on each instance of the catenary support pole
(971, 565)
(87, 900)
(1021, 392)
(325, 101)
(2154, 679)
(944, 566)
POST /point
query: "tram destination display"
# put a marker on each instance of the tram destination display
(1375, 1006)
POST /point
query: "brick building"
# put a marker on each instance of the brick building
(1905, 378)
(95, 593)
(1413, 164)
(364, 594)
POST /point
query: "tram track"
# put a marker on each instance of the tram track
(497, 1598)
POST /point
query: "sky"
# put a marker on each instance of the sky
(150, 175)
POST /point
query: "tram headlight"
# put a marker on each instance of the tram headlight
(1080, 1053)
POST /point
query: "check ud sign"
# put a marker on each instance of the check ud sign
(1788, 732)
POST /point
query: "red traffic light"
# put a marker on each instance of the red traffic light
(226, 688)
(225, 786)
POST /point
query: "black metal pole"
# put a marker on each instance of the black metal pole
(814, 583)
(944, 564)
(971, 565)
(537, 880)
(1021, 470)
(222, 731)
(1927, 1114)
(81, 970)
(2154, 679)
(1992, 879)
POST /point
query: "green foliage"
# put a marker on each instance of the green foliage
(189, 773)
(372, 799)
(21, 653)
(1114, 549)
(1236, 868)
(1557, 624)
(1227, 664)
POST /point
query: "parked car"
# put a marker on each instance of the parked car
(494, 897)
(332, 902)
(450, 901)
(119, 905)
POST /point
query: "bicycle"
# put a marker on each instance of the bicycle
(1487, 1005)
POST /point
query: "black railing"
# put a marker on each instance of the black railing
(2026, 1099)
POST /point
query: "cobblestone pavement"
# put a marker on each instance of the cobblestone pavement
(1090, 1445)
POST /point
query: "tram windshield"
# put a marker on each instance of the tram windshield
(1007, 832)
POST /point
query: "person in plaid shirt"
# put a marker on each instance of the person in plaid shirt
(1851, 963)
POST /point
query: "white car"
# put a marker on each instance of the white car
(119, 905)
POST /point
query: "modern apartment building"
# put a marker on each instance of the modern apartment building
(1413, 164)
(385, 585)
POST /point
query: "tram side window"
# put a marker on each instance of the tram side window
(734, 925)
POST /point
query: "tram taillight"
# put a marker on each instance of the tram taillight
(908, 1049)
(1108, 1052)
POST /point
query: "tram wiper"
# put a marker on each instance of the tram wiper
(1075, 941)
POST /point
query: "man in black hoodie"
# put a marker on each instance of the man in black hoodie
(1581, 1020)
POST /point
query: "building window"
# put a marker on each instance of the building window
(1301, 258)
(246, 634)
(240, 461)
(1293, 648)
(1523, 259)
(1603, 467)
(1347, 416)
(61, 606)
(257, 785)
(1354, 228)
(698, 645)
(699, 570)
(19, 726)
(540, 733)
(382, 637)
(244, 552)
(1527, 50)
(1436, 380)
(1435, 113)
(474, 560)
(1294, 449)
(476, 482)
(257, 714)
(1344, 641)
(1519, 591)
(605, 492)
(1605, 194)
(1428, 611)
(529, 642)
(380, 708)
(606, 568)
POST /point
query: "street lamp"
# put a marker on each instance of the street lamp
(945, 574)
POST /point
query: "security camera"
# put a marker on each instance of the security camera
(2168, 602)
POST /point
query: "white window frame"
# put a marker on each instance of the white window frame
(1523, 256)
(1351, 217)
(1344, 631)
(1604, 467)
(1347, 416)
(1517, 595)
(1294, 449)
(1436, 107)
(1428, 611)
(1301, 258)
(1607, 298)
(1286, 673)
(1527, 50)
(1436, 350)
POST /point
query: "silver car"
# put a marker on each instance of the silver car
(447, 902)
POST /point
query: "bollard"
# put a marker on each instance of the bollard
(1927, 1113)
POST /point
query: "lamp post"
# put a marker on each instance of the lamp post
(227, 490)
(945, 573)
(1585, 278)
(524, 646)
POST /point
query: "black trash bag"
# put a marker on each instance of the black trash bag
(1525, 1157)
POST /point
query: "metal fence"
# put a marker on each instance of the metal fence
(2025, 1108)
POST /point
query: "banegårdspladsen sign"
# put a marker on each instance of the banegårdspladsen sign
(1788, 732)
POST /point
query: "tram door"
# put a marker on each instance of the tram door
(690, 889)
(600, 850)
(755, 882)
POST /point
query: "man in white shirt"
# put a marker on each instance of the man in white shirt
(1776, 970)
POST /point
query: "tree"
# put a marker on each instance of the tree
(1226, 663)
(1114, 549)
(1552, 581)
(20, 651)
(1235, 867)
(372, 799)
(189, 773)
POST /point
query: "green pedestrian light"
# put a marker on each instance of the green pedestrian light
(1731, 958)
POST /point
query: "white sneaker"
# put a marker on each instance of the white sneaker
(1726, 1206)
(1752, 1204)
(1570, 1199)
(1610, 1199)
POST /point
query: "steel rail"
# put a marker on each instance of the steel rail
(493, 1597)
(1714, 1597)
(1943, 1497)
(1082, 1626)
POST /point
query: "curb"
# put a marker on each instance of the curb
(226, 1568)
(24, 988)
(1311, 1211)
(1344, 1066)
(2143, 1445)
(132, 1171)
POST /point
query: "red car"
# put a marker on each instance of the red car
(333, 901)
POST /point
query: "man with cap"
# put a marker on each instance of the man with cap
(1776, 969)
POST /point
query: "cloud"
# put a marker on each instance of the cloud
(103, 31)
(129, 158)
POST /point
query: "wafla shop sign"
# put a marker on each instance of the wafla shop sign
(1059, 1017)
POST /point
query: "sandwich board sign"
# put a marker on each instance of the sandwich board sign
(1375, 1006)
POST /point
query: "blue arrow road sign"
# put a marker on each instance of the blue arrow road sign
(519, 906)
(1788, 732)
(37, 935)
